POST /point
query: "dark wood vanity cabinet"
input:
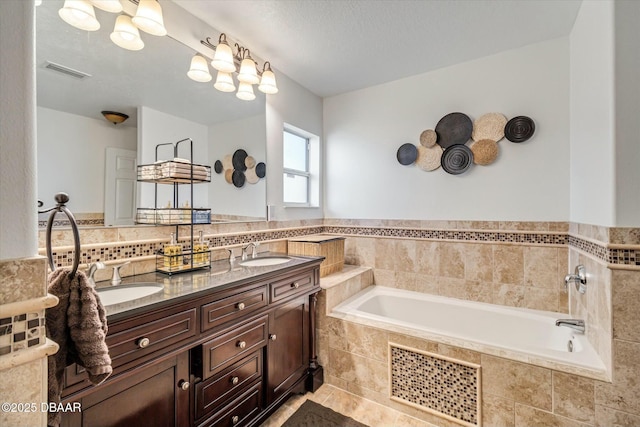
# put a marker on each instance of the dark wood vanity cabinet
(227, 358)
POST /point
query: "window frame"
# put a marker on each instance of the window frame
(302, 173)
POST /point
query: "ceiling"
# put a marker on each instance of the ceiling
(335, 46)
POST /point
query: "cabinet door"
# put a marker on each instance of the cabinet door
(288, 347)
(152, 396)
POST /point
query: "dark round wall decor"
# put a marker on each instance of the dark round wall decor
(454, 128)
(217, 166)
(519, 129)
(407, 154)
(261, 170)
(456, 159)
(238, 160)
(238, 178)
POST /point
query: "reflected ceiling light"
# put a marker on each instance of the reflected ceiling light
(268, 80)
(125, 34)
(199, 69)
(245, 91)
(224, 82)
(223, 58)
(114, 117)
(248, 72)
(149, 19)
(38, 2)
(80, 14)
(113, 6)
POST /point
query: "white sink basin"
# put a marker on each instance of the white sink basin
(124, 293)
(265, 261)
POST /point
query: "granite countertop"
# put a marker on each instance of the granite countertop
(182, 286)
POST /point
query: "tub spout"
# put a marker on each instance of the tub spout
(577, 324)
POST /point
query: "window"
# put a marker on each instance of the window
(296, 168)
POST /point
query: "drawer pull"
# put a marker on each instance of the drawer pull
(272, 337)
(235, 419)
(235, 380)
(184, 385)
(240, 306)
(295, 285)
(144, 342)
(241, 344)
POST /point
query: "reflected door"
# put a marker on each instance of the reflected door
(120, 187)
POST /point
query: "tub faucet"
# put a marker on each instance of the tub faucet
(254, 252)
(577, 324)
(115, 278)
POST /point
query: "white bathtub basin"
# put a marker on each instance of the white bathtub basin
(124, 293)
(265, 261)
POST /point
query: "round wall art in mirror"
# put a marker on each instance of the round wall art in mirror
(240, 168)
(407, 154)
(238, 160)
(238, 178)
(456, 159)
(519, 129)
(454, 128)
(217, 166)
(261, 170)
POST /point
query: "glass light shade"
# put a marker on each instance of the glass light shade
(125, 34)
(149, 18)
(245, 92)
(248, 73)
(268, 83)
(199, 69)
(223, 59)
(113, 6)
(80, 14)
(38, 2)
(224, 82)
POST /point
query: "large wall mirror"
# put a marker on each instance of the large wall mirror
(80, 73)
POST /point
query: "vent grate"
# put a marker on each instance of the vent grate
(66, 70)
(445, 387)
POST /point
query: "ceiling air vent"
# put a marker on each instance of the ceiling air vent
(66, 70)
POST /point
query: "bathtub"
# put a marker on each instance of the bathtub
(520, 334)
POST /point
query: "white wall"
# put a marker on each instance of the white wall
(71, 157)
(156, 127)
(627, 113)
(224, 139)
(529, 181)
(296, 106)
(592, 189)
(18, 208)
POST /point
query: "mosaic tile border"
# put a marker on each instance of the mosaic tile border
(96, 222)
(615, 256)
(20, 332)
(440, 385)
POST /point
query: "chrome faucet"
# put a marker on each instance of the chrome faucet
(115, 278)
(232, 257)
(254, 252)
(576, 324)
(93, 267)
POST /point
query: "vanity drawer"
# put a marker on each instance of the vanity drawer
(233, 345)
(232, 307)
(146, 334)
(291, 285)
(240, 411)
(233, 380)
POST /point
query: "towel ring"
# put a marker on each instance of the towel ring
(61, 199)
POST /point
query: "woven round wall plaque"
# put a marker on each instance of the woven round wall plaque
(249, 162)
(489, 126)
(228, 175)
(429, 157)
(238, 159)
(454, 128)
(407, 154)
(484, 152)
(519, 129)
(251, 175)
(238, 178)
(428, 138)
(227, 162)
(456, 159)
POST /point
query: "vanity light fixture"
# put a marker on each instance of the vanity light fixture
(114, 117)
(125, 34)
(199, 69)
(149, 18)
(113, 6)
(79, 14)
(226, 62)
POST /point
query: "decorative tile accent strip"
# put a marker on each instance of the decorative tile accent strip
(617, 256)
(96, 222)
(20, 332)
(438, 385)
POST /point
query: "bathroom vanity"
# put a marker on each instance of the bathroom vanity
(221, 348)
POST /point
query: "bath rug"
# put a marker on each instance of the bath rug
(312, 414)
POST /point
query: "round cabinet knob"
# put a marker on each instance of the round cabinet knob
(235, 419)
(241, 344)
(272, 337)
(296, 285)
(184, 385)
(240, 306)
(144, 342)
(235, 380)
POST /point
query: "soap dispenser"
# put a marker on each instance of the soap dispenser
(172, 252)
(201, 248)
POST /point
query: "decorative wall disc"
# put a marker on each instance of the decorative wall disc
(250, 174)
(456, 159)
(227, 162)
(238, 160)
(238, 178)
(489, 126)
(217, 166)
(429, 157)
(484, 152)
(261, 170)
(249, 162)
(428, 138)
(519, 129)
(454, 128)
(407, 154)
